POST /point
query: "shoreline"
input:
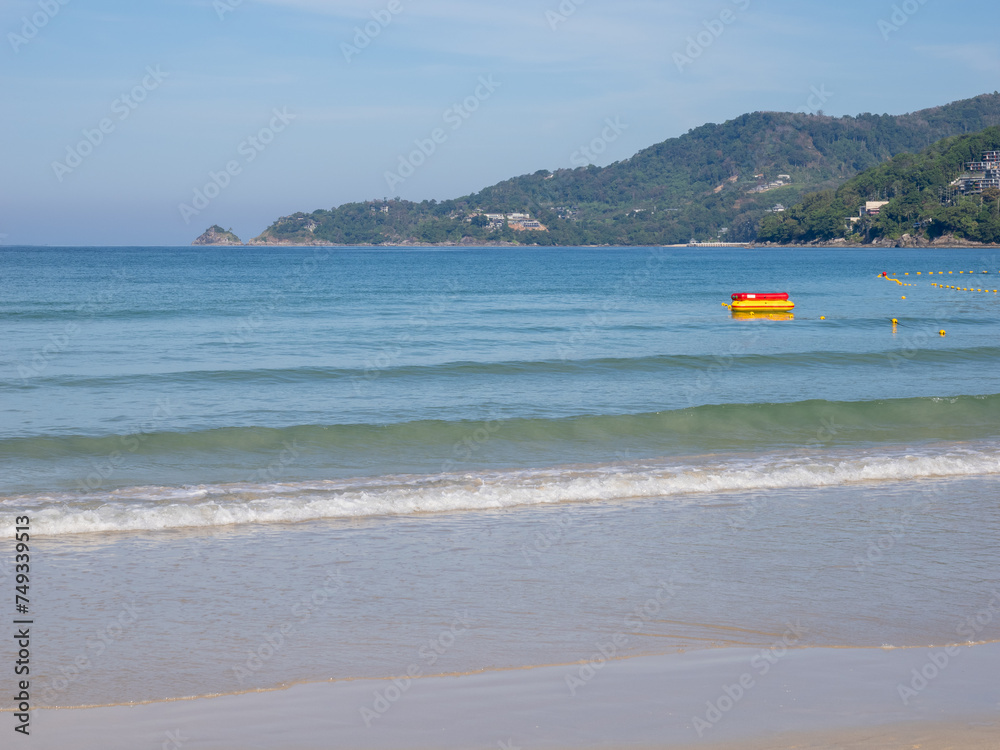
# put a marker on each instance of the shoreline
(832, 244)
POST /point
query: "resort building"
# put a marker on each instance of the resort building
(986, 175)
(872, 208)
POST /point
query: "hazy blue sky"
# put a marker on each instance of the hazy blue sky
(180, 87)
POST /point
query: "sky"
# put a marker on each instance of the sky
(144, 123)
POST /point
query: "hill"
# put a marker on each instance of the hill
(922, 201)
(714, 181)
(216, 235)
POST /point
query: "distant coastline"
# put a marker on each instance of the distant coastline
(907, 241)
(740, 182)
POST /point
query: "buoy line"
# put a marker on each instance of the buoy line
(893, 277)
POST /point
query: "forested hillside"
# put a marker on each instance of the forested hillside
(921, 202)
(716, 181)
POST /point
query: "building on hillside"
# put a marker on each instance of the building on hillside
(872, 208)
(987, 175)
(527, 225)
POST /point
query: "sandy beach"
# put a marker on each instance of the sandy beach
(805, 698)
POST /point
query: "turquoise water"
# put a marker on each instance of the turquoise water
(200, 366)
(535, 436)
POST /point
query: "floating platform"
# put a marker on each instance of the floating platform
(757, 302)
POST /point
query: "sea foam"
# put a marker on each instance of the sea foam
(154, 508)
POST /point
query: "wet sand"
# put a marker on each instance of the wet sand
(807, 698)
(974, 735)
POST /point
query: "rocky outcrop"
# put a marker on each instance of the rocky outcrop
(907, 240)
(950, 240)
(269, 239)
(216, 235)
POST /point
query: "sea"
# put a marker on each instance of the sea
(246, 468)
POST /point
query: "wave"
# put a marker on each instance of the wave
(743, 363)
(158, 508)
(711, 427)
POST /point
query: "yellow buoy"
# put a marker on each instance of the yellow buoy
(894, 321)
(822, 317)
(904, 296)
(941, 332)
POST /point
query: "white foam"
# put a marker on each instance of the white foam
(155, 508)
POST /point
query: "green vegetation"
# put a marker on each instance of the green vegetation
(920, 202)
(216, 235)
(696, 185)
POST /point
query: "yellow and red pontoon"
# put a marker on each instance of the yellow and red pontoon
(766, 302)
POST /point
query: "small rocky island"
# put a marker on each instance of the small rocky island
(216, 235)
